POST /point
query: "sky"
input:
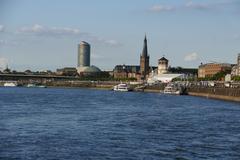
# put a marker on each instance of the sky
(44, 34)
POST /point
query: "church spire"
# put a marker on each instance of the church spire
(145, 52)
(144, 60)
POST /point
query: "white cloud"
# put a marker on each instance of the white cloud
(191, 57)
(161, 8)
(112, 42)
(2, 28)
(42, 30)
(198, 6)
(190, 5)
(3, 63)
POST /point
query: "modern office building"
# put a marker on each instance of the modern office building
(83, 54)
(144, 61)
(83, 67)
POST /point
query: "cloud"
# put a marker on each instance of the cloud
(3, 63)
(111, 42)
(190, 5)
(51, 31)
(191, 57)
(2, 28)
(40, 30)
(161, 8)
(197, 6)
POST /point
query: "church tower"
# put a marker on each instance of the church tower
(144, 61)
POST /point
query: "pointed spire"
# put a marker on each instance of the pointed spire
(145, 52)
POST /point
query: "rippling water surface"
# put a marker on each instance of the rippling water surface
(47, 124)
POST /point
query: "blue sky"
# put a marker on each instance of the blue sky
(40, 35)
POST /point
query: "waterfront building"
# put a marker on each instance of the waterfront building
(238, 65)
(162, 74)
(83, 54)
(234, 71)
(83, 67)
(201, 71)
(127, 71)
(88, 70)
(67, 71)
(144, 61)
(162, 65)
(210, 69)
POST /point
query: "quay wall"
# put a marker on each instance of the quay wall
(81, 84)
(230, 94)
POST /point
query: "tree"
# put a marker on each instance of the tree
(219, 76)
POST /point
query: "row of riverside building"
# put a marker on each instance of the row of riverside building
(144, 71)
(210, 69)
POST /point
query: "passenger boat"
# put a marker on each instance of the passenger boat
(174, 89)
(123, 87)
(10, 84)
(30, 85)
(171, 90)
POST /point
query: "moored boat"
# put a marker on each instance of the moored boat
(171, 90)
(123, 87)
(10, 84)
(174, 89)
(30, 85)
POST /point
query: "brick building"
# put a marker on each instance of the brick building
(210, 69)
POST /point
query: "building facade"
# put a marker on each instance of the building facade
(210, 69)
(144, 61)
(84, 68)
(83, 54)
(201, 71)
(126, 71)
(234, 71)
(238, 65)
(162, 65)
(67, 71)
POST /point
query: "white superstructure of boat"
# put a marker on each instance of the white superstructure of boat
(10, 84)
(30, 85)
(171, 90)
(123, 87)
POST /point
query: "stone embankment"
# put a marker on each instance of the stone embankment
(82, 84)
(230, 94)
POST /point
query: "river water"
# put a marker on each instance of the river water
(65, 124)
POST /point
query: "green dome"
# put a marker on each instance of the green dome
(91, 69)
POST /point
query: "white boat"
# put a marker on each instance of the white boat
(10, 84)
(171, 89)
(30, 85)
(123, 87)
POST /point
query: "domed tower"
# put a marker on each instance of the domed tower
(144, 60)
(83, 54)
(162, 65)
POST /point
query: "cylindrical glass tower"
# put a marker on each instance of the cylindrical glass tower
(83, 54)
